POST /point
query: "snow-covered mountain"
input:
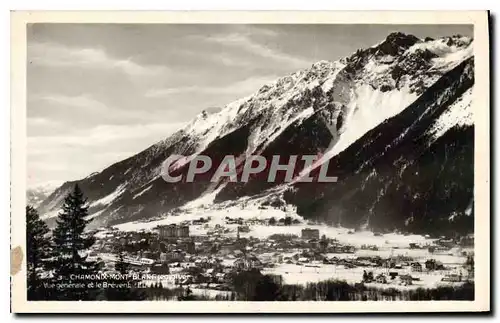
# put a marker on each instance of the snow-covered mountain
(413, 171)
(371, 115)
(36, 194)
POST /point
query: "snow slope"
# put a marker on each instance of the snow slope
(459, 114)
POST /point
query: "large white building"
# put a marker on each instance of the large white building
(173, 231)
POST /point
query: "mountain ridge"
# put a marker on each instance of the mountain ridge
(331, 105)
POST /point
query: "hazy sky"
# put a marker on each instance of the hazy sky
(100, 93)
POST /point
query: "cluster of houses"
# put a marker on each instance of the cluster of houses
(170, 249)
(213, 257)
(407, 279)
(392, 277)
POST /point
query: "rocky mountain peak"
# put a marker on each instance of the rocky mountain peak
(396, 43)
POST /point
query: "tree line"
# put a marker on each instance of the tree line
(58, 265)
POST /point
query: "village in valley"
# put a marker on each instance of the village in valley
(203, 256)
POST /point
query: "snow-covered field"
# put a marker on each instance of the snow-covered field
(195, 289)
(217, 217)
(203, 207)
(297, 274)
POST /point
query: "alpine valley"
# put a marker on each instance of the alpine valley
(394, 123)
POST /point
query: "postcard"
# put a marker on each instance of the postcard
(243, 162)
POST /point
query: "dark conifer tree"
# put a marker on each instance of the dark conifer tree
(71, 269)
(38, 252)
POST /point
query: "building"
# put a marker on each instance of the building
(239, 264)
(467, 241)
(189, 247)
(163, 257)
(247, 263)
(252, 262)
(381, 279)
(243, 228)
(454, 278)
(310, 234)
(139, 261)
(416, 266)
(414, 246)
(161, 269)
(348, 249)
(446, 242)
(406, 280)
(167, 231)
(173, 231)
(182, 231)
(432, 264)
(176, 255)
(303, 260)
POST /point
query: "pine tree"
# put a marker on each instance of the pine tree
(71, 269)
(38, 251)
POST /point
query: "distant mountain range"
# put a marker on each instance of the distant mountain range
(393, 122)
(36, 194)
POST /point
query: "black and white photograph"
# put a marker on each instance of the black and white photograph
(254, 162)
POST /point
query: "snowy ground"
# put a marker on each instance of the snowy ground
(195, 288)
(391, 244)
(297, 274)
(203, 207)
(217, 217)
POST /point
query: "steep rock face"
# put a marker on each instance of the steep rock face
(331, 109)
(414, 171)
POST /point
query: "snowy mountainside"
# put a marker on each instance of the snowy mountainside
(375, 85)
(322, 110)
(414, 171)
